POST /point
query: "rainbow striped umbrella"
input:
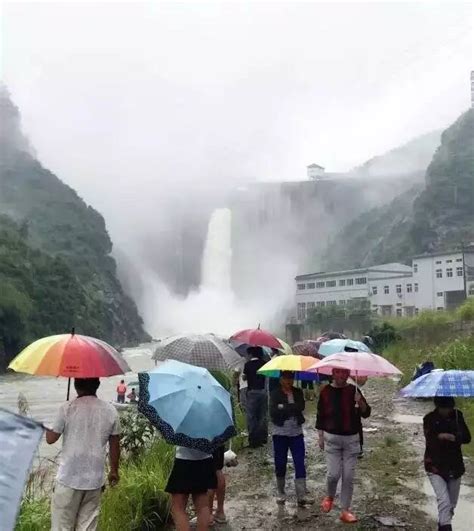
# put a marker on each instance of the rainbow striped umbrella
(70, 355)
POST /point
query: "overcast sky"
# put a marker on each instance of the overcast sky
(126, 98)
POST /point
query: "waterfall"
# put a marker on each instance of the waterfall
(217, 256)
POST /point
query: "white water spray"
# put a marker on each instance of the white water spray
(217, 257)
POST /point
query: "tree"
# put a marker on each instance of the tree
(14, 312)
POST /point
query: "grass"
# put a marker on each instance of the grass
(457, 353)
(138, 502)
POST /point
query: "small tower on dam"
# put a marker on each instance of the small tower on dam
(315, 172)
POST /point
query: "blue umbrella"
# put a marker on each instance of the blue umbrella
(441, 383)
(187, 405)
(335, 346)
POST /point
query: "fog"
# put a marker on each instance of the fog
(159, 113)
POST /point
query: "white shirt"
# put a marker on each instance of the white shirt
(86, 424)
(191, 454)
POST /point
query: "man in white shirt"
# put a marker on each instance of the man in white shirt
(87, 425)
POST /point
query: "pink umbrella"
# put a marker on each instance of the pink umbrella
(358, 363)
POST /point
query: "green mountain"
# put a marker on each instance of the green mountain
(435, 215)
(56, 270)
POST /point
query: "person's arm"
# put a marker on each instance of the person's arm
(56, 430)
(114, 458)
(463, 435)
(364, 407)
(299, 402)
(320, 419)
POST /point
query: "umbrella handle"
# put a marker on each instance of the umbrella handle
(68, 389)
(357, 391)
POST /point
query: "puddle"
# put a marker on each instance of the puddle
(464, 515)
(407, 419)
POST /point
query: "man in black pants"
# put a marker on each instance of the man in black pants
(257, 400)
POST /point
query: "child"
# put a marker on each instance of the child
(194, 473)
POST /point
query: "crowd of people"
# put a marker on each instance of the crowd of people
(89, 425)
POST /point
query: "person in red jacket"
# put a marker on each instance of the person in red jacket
(445, 432)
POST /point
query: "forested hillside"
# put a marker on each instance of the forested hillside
(56, 269)
(438, 215)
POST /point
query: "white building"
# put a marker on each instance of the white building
(315, 172)
(435, 281)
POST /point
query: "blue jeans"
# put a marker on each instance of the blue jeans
(281, 445)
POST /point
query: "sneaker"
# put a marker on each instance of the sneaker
(348, 518)
(326, 504)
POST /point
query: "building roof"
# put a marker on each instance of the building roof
(394, 267)
(467, 249)
(316, 166)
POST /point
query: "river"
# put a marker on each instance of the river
(45, 394)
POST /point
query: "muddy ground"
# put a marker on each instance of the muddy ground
(389, 480)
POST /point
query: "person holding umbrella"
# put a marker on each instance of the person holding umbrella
(286, 412)
(340, 408)
(445, 431)
(257, 406)
(87, 426)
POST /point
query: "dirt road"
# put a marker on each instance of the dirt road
(389, 481)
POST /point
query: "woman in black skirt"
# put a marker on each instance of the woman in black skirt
(194, 473)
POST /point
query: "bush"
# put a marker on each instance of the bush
(466, 311)
(136, 433)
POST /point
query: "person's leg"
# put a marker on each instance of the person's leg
(178, 511)
(351, 448)
(454, 487)
(64, 508)
(201, 507)
(297, 449)
(333, 451)
(252, 426)
(219, 515)
(88, 515)
(440, 487)
(280, 458)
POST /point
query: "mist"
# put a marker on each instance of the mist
(159, 114)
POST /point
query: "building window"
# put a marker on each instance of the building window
(301, 286)
(439, 294)
(331, 303)
(440, 308)
(417, 311)
(342, 302)
(310, 286)
(361, 280)
(415, 268)
(311, 305)
(439, 273)
(398, 288)
(459, 271)
(449, 261)
(320, 284)
(350, 281)
(438, 262)
(330, 283)
(386, 290)
(374, 290)
(471, 289)
(458, 259)
(409, 288)
(342, 282)
(416, 287)
(449, 272)
(301, 311)
(399, 304)
(399, 312)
